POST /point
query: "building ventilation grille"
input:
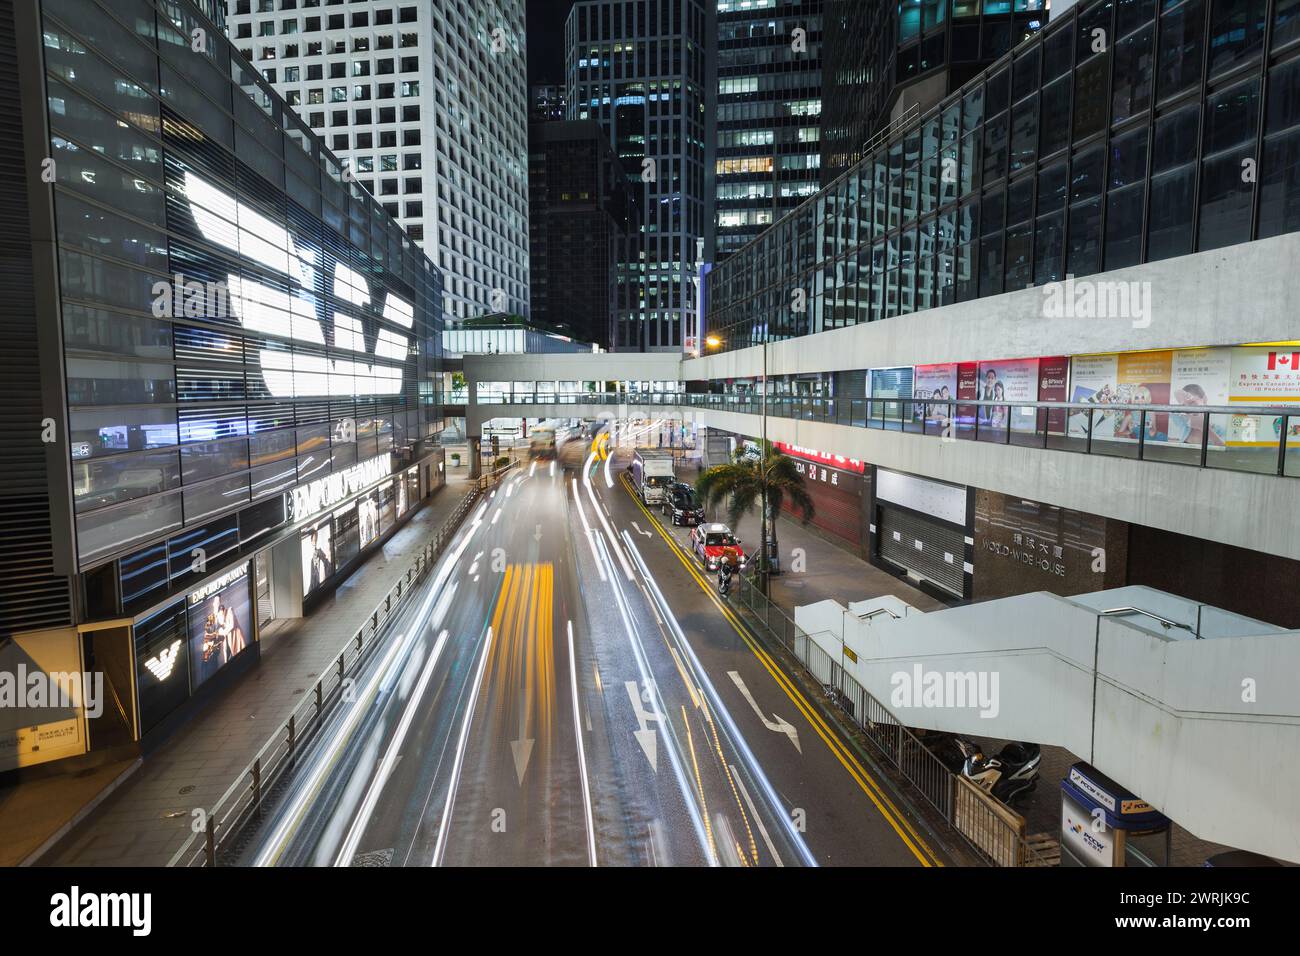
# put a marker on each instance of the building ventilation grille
(31, 595)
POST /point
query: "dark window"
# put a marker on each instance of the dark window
(1236, 32)
(1133, 62)
(1181, 48)
(1169, 226)
(1279, 166)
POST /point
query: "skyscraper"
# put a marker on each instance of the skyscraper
(428, 104)
(581, 207)
(768, 115)
(640, 68)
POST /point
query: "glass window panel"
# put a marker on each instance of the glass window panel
(1182, 34)
(1128, 158)
(1279, 184)
(1055, 126)
(1169, 225)
(1058, 52)
(1124, 226)
(1175, 139)
(995, 148)
(1049, 249)
(1083, 255)
(1024, 134)
(1134, 60)
(1236, 32)
(1226, 202)
(1090, 97)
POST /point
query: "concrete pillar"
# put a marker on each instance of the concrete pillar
(475, 454)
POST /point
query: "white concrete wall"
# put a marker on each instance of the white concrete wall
(1170, 719)
(1232, 296)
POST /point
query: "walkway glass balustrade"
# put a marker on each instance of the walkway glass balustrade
(1260, 439)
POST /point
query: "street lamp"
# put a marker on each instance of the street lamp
(713, 342)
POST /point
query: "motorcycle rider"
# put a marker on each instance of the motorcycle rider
(725, 570)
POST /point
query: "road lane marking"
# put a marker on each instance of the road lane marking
(779, 726)
(386, 766)
(901, 826)
(639, 531)
(758, 820)
(582, 755)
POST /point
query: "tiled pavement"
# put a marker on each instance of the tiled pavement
(147, 817)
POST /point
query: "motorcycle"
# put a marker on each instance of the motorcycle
(724, 578)
(1012, 773)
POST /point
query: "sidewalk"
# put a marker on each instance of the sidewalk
(831, 571)
(144, 816)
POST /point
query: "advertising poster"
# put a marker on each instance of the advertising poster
(968, 389)
(317, 557)
(401, 496)
(368, 517)
(1199, 377)
(937, 382)
(1015, 380)
(1263, 376)
(1126, 378)
(220, 625)
(1053, 378)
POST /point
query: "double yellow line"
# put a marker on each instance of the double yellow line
(900, 824)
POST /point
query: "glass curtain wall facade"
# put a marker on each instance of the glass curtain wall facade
(883, 58)
(1180, 133)
(639, 68)
(237, 317)
(768, 155)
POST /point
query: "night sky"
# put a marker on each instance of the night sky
(545, 25)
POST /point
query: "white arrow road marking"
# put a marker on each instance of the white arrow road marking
(778, 725)
(645, 736)
(522, 750)
(639, 531)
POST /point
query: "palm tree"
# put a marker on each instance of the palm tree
(770, 480)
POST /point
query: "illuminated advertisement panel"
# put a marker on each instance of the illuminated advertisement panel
(317, 557)
(349, 370)
(368, 517)
(220, 624)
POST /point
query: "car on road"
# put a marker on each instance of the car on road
(682, 505)
(712, 542)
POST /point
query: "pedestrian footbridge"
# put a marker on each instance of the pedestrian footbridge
(1193, 708)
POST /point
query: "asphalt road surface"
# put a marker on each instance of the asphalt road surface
(567, 689)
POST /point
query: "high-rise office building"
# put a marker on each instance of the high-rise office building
(884, 62)
(580, 208)
(219, 370)
(428, 105)
(768, 115)
(641, 68)
(546, 102)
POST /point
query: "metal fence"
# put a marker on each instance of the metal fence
(217, 825)
(987, 825)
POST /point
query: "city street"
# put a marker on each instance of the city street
(569, 691)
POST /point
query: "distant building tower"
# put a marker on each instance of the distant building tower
(641, 68)
(547, 102)
(427, 104)
(581, 209)
(769, 66)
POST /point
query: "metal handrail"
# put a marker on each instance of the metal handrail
(1166, 622)
(232, 809)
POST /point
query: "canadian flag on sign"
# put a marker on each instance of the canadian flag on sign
(1284, 360)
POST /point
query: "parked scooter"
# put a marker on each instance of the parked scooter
(1012, 773)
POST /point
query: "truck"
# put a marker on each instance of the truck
(541, 443)
(652, 474)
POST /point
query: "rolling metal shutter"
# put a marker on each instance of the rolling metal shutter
(931, 549)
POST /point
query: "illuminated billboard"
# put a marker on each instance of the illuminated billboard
(220, 626)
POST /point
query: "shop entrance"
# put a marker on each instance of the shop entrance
(265, 603)
(923, 547)
(107, 651)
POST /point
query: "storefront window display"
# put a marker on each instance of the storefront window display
(220, 628)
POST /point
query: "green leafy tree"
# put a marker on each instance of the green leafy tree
(768, 481)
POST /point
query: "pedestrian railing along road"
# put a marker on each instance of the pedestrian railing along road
(1260, 439)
